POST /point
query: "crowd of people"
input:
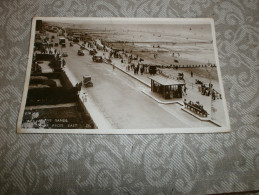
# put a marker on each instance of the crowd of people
(208, 90)
(128, 60)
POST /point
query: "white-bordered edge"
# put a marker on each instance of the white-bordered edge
(210, 21)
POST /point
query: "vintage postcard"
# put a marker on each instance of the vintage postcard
(123, 76)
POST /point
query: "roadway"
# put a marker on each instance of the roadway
(119, 97)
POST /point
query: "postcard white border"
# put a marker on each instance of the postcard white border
(210, 21)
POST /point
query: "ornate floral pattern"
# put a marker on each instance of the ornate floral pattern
(134, 164)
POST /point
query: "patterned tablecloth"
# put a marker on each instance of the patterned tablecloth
(134, 164)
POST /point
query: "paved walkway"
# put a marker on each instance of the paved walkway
(97, 116)
(50, 106)
(157, 97)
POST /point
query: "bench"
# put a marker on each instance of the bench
(198, 111)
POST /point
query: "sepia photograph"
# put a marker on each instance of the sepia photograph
(123, 76)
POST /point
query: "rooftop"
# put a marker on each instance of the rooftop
(165, 81)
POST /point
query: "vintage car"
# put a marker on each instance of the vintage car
(93, 52)
(80, 53)
(87, 81)
(97, 59)
(99, 47)
(64, 54)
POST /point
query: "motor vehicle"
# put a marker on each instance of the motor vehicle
(80, 53)
(87, 81)
(62, 40)
(97, 59)
(93, 52)
(99, 47)
(64, 54)
(76, 38)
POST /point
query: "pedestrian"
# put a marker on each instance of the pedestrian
(142, 70)
(84, 97)
(132, 66)
(137, 69)
(213, 95)
(113, 66)
(185, 88)
(191, 74)
(63, 63)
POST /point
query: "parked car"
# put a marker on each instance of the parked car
(93, 52)
(80, 53)
(87, 81)
(97, 59)
(64, 54)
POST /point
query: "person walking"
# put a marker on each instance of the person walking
(142, 70)
(185, 88)
(213, 95)
(84, 97)
(137, 69)
(185, 102)
(63, 63)
(113, 66)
